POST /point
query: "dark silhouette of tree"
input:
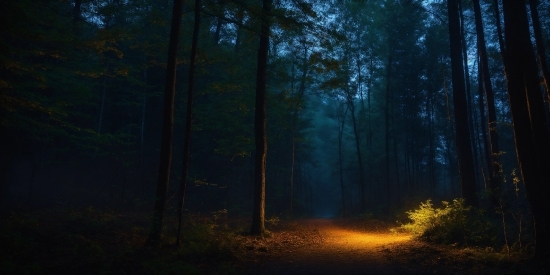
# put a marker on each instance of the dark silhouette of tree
(189, 117)
(533, 4)
(493, 165)
(258, 217)
(167, 125)
(529, 121)
(463, 142)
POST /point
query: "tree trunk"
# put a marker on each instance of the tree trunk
(167, 125)
(299, 97)
(240, 16)
(485, 139)
(258, 217)
(387, 135)
(351, 107)
(342, 116)
(189, 118)
(499, 29)
(463, 142)
(494, 162)
(529, 120)
(540, 45)
(470, 110)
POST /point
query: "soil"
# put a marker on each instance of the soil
(328, 246)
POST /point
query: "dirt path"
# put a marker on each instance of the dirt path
(338, 251)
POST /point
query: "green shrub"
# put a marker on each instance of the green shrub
(453, 223)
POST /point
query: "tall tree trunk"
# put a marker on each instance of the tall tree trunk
(494, 162)
(189, 118)
(219, 23)
(387, 130)
(529, 121)
(470, 110)
(342, 112)
(486, 146)
(463, 142)
(77, 17)
(240, 17)
(258, 217)
(351, 107)
(299, 97)
(167, 125)
(499, 30)
(540, 45)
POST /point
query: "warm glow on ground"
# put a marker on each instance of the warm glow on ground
(334, 249)
(348, 238)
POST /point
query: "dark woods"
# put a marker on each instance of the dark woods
(277, 108)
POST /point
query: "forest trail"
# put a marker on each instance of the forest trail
(338, 250)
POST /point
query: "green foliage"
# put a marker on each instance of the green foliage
(453, 223)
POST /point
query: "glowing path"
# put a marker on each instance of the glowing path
(342, 251)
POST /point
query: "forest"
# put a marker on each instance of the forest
(257, 137)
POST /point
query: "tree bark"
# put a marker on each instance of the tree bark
(540, 45)
(167, 125)
(529, 121)
(493, 166)
(189, 118)
(258, 217)
(463, 142)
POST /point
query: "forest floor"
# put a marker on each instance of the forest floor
(352, 246)
(100, 241)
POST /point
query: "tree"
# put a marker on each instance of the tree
(463, 142)
(189, 117)
(540, 44)
(494, 162)
(163, 178)
(258, 217)
(529, 121)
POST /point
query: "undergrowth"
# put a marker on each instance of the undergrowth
(90, 241)
(453, 223)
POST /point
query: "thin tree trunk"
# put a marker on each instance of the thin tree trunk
(189, 118)
(258, 218)
(387, 135)
(298, 99)
(351, 107)
(463, 142)
(529, 121)
(470, 109)
(495, 181)
(240, 16)
(499, 30)
(341, 129)
(486, 146)
(167, 125)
